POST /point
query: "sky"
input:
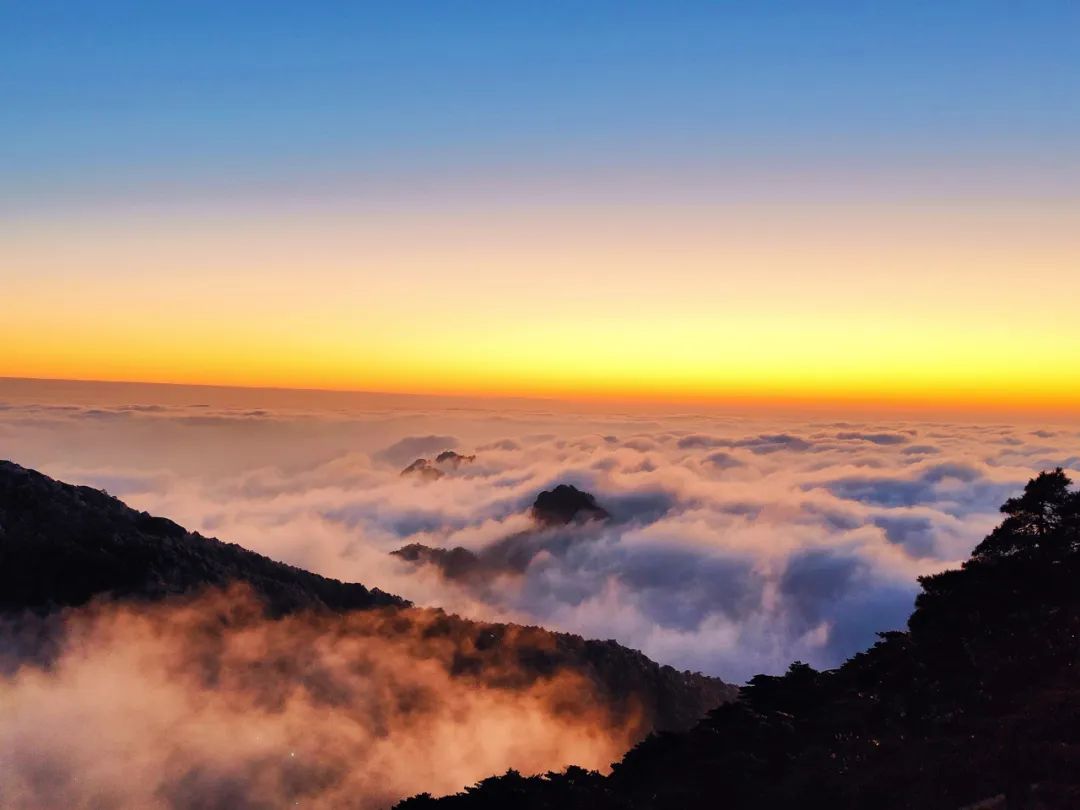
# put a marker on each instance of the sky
(693, 201)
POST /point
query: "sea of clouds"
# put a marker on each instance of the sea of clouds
(736, 545)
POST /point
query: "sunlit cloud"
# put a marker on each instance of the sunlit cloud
(734, 544)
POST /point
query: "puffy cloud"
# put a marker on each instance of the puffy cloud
(914, 532)
(722, 461)
(734, 545)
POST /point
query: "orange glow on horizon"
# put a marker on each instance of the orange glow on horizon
(971, 306)
(951, 401)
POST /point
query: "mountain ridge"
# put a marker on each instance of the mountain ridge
(63, 545)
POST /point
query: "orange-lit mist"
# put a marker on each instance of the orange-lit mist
(203, 702)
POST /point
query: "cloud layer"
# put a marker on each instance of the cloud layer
(735, 544)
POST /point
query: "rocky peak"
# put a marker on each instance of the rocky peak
(566, 504)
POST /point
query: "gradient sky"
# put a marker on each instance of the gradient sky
(684, 200)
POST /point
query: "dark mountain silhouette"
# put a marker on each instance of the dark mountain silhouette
(453, 459)
(454, 563)
(564, 506)
(976, 705)
(62, 545)
(423, 468)
(434, 470)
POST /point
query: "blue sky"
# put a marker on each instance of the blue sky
(106, 98)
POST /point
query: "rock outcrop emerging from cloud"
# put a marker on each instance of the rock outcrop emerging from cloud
(430, 470)
(563, 507)
(566, 504)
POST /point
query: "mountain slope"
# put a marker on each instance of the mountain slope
(977, 705)
(62, 545)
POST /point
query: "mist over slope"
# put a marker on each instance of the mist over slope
(975, 705)
(200, 702)
(142, 665)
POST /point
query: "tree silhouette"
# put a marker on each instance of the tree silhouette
(1043, 521)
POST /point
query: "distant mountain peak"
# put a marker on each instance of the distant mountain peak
(429, 470)
(423, 468)
(453, 458)
(566, 504)
(563, 506)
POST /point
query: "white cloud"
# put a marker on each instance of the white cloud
(736, 545)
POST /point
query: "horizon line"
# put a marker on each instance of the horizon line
(732, 401)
